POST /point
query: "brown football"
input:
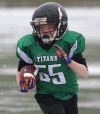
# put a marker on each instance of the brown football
(29, 71)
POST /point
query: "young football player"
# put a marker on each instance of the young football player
(57, 53)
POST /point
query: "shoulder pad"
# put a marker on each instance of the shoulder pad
(26, 40)
(71, 36)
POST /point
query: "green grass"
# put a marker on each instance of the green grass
(89, 111)
(91, 52)
(68, 3)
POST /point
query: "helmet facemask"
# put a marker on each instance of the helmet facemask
(60, 27)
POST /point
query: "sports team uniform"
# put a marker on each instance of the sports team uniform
(57, 82)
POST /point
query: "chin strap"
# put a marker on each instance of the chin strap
(47, 40)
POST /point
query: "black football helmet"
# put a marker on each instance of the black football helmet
(50, 13)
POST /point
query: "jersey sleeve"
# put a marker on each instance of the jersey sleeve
(78, 46)
(23, 52)
(21, 64)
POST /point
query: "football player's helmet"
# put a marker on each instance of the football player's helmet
(50, 13)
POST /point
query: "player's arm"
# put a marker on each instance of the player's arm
(21, 64)
(80, 62)
(18, 77)
(79, 69)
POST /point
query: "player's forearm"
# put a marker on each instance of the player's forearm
(79, 69)
(18, 77)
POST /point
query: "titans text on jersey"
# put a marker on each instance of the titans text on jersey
(46, 58)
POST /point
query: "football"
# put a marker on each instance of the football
(29, 71)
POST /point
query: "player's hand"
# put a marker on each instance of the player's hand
(23, 87)
(64, 57)
(31, 82)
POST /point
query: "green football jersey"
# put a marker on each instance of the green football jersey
(55, 77)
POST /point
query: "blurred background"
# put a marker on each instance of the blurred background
(15, 17)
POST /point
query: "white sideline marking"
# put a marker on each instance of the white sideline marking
(89, 83)
(17, 102)
(93, 70)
